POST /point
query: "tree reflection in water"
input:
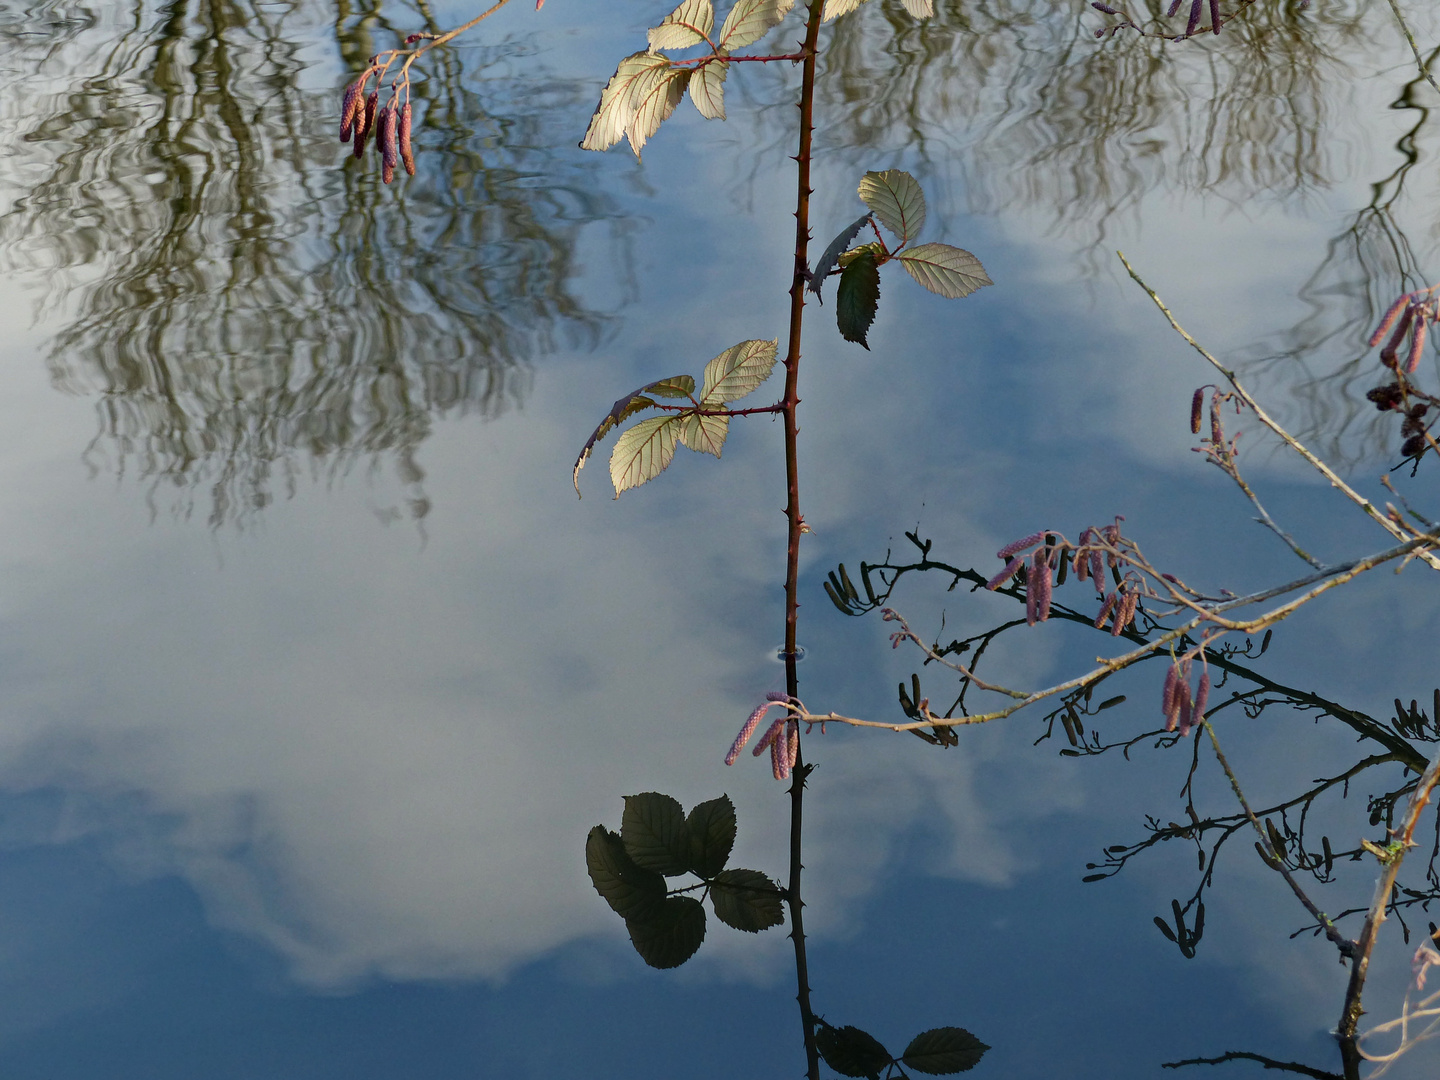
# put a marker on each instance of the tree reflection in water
(245, 308)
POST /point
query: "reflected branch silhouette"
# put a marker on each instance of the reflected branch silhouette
(243, 310)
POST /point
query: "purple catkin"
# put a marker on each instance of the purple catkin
(1388, 319)
(365, 123)
(1105, 609)
(1005, 575)
(385, 142)
(1194, 17)
(771, 734)
(745, 733)
(1167, 692)
(1044, 584)
(1417, 346)
(350, 106)
(1215, 16)
(1127, 614)
(1387, 354)
(1217, 425)
(1019, 545)
(1106, 8)
(1197, 403)
(1032, 595)
(1097, 572)
(1185, 710)
(1174, 7)
(1117, 622)
(794, 745)
(779, 755)
(1202, 698)
(407, 153)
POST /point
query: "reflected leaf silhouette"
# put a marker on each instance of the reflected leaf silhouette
(245, 307)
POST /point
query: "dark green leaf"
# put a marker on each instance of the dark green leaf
(747, 900)
(857, 298)
(671, 935)
(943, 1050)
(832, 253)
(711, 826)
(631, 892)
(850, 1051)
(654, 833)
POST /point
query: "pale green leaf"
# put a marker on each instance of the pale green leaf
(616, 109)
(673, 387)
(750, 20)
(689, 24)
(628, 406)
(950, 271)
(654, 96)
(707, 89)
(835, 8)
(738, 370)
(921, 9)
(643, 451)
(705, 434)
(897, 200)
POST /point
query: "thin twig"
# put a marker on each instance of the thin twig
(1409, 37)
(1272, 857)
(1324, 469)
(1269, 1063)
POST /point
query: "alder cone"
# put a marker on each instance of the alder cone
(407, 154)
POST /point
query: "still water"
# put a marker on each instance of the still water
(315, 673)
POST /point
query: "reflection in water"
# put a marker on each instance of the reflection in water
(1365, 267)
(240, 302)
(1053, 119)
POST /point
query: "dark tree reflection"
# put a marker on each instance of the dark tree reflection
(245, 305)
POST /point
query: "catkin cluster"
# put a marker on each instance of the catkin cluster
(1048, 565)
(1408, 317)
(362, 115)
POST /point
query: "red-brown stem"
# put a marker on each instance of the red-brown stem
(790, 403)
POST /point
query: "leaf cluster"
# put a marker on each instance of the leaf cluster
(657, 839)
(938, 1052)
(645, 450)
(896, 201)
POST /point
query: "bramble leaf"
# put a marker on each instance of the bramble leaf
(704, 433)
(617, 109)
(920, 9)
(897, 200)
(671, 936)
(628, 406)
(850, 1051)
(631, 892)
(738, 370)
(643, 451)
(707, 89)
(711, 826)
(943, 1050)
(949, 271)
(747, 900)
(835, 8)
(654, 96)
(654, 833)
(689, 24)
(857, 298)
(832, 253)
(750, 20)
